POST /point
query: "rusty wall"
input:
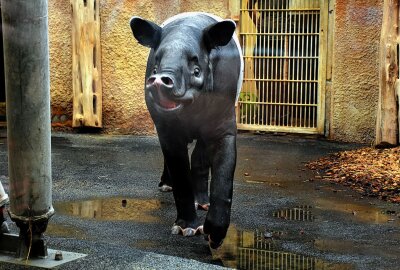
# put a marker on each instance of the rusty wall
(123, 60)
(355, 73)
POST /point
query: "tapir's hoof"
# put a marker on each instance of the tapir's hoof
(176, 229)
(164, 187)
(213, 244)
(203, 207)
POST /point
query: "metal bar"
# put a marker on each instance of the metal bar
(286, 62)
(302, 85)
(291, 68)
(268, 70)
(296, 76)
(264, 92)
(279, 88)
(274, 68)
(314, 66)
(312, 72)
(307, 71)
(260, 67)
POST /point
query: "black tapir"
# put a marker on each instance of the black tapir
(193, 78)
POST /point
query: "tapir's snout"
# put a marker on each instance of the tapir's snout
(160, 81)
(163, 89)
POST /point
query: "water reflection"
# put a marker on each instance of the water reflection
(299, 213)
(112, 209)
(361, 212)
(252, 250)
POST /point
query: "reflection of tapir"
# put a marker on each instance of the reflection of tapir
(193, 74)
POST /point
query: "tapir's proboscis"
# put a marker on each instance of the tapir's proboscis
(192, 81)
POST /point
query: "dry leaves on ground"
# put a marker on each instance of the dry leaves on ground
(370, 171)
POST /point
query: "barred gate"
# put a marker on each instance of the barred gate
(284, 47)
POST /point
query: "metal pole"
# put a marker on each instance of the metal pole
(26, 59)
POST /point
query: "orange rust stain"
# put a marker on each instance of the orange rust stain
(358, 11)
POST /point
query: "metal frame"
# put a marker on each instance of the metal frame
(284, 52)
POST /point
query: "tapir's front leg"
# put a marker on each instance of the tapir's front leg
(222, 171)
(177, 162)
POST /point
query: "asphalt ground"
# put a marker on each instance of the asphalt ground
(108, 206)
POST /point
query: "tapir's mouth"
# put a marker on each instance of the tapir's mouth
(164, 103)
(168, 104)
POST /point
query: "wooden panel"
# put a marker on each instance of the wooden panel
(86, 64)
(387, 118)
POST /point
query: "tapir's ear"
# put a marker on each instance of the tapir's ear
(218, 34)
(147, 33)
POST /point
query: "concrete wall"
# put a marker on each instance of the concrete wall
(355, 73)
(123, 60)
(352, 92)
(60, 62)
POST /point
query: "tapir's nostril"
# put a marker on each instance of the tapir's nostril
(157, 80)
(151, 80)
(167, 80)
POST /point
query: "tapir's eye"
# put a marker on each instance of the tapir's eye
(154, 70)
(196, 72)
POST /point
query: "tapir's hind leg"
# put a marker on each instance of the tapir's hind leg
(165, 184)
(200, 167)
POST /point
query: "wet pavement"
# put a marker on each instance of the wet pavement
(108, 206)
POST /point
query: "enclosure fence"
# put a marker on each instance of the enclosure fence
(283, 45)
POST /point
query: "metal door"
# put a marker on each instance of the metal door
(284, 45)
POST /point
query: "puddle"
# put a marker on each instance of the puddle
(360, 212)
(252, 250)
(112, 209)
(65, 231)
(299, 213)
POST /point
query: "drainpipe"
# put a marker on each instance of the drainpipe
(26, 60)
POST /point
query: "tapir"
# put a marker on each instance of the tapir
(192, 81)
